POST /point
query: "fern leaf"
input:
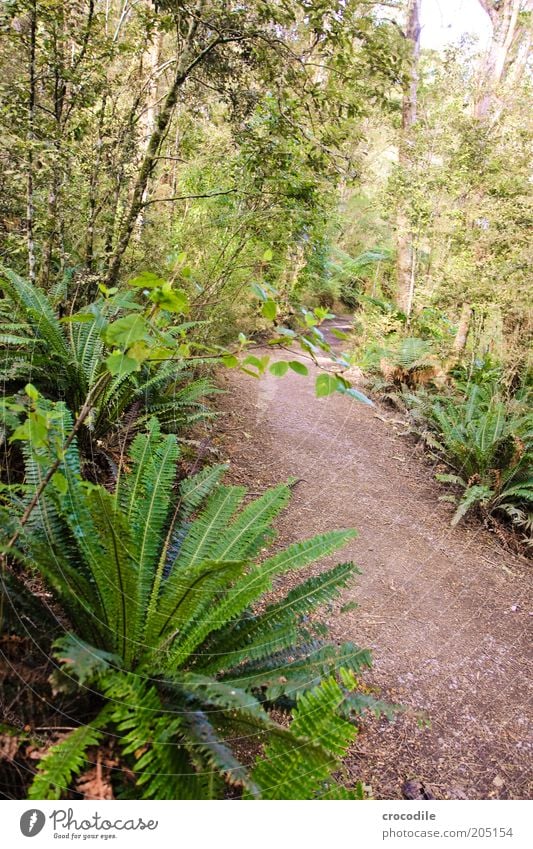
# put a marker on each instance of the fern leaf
(203, 539)
(276, 628)
(185, 596)
(246, 535)
(66, 759)
(194, 490)
(298, 769)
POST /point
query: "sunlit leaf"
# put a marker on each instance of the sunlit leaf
(147, 280)
(269, 309)
(326, 384)
(126, 330)
(120, 365)
(298, 367)
(279, 369)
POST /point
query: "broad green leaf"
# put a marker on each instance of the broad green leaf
(339, 334)
(358, 396)
(147, 280)
(279, 369)
(259, 364)
(268, 255)
(259, 291)
(172, 300)
(139, 351)
(269, 309)
(325, 385)
(60, 482)
(298, 367)
(31, 391)
(34, 430)
(286, 331)
(107, 292)
(230, 361)
(125, 331)
(120, 365)
(159, 354)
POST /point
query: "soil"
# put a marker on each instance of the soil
(446, 611)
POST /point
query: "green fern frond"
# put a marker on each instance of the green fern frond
(246, 535)
(185, 596)
(276, 628)
(66, 759)
(194, 490)
(300, 554)
(297, 670)
(217, 755)
(297, 769)
(203, 538)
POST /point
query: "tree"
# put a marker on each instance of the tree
(511, 38)
(406, 252)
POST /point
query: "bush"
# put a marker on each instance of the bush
(488, 440)
(172, 628)
(65, 359)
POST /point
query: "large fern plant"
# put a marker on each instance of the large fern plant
(173, 627)
(489, 442)
(64, 357)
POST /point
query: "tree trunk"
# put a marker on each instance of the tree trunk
(506, 31)
(94, 186)
(462, 329)
(53, 224)
(187, 64)
(149, 115)
(404, 235)
(30, 207)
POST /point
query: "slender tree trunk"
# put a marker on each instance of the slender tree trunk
(188, 62)
(148, 119)
(462, 329)
(30, 206)
(93, 188)
(60, 90)
(405, 236)
(506, 31)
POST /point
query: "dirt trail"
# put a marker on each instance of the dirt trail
(445, 610)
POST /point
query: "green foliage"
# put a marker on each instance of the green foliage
(303, 770)
(352, 275)
(66, 359)
(65, 760)
(170, 626)
(489, 442)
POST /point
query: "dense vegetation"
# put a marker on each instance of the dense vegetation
(183, 187)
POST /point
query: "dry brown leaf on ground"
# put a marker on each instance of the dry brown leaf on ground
(9, 746)
(95, 783)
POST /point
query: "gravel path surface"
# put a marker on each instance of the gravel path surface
(446, 611)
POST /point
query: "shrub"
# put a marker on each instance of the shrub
(65, 359)
(173, 630)
(489, 442)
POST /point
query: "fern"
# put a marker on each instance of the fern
(168, 598)
(489, 442)
(67, 759)
(297, 768)
(65, 359)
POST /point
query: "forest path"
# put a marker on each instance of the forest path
(445, 610)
